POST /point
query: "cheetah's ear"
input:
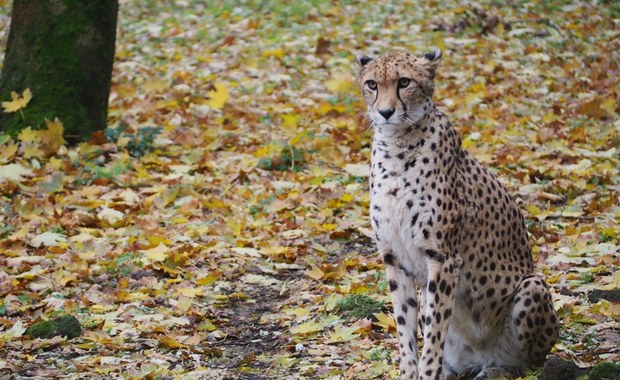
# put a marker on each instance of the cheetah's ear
(362, 60)
(434, 55)
(432, 59)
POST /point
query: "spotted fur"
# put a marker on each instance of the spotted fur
(453, 241)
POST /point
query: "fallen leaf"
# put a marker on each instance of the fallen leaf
(342, 334)
(218, 96)
(17, 102)
(13, 172)
(48, 239)
(306, 328)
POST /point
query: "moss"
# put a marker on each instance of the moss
(359, 306)
(66, 325)
(556, 368)
(605, 370)
(609, 295)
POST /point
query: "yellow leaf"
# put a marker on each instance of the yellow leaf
(18, 235)
(346, 198)
(610, 309)
(190, 292)
(17, 102)
(170, 342)
(307, 328)
(533, 209)
(385, 321)
(316, 273)
(290, 121)
(183, 304)
(211, 278)
(54, 134)
(342, 334)
(328, 226)
(439, 42)
(159, 239)
(218, 96)
(178, 220)
(554, 279)
(609, 105)
(207, 325)
(615, 281)
(8, 152)
(341, 83)
(298, 138)
(63, 277)
(27, 135)
(298, 311)
(159, 253)
(278, 53)
(33, 151)
(468, 143)
(156, 85)
(324, 108)
(123, 296)
(476, 88)
(549, 117)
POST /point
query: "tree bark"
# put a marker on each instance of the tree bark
(63, 50)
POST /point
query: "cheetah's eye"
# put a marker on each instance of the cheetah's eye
(403, 82)
(371, 84)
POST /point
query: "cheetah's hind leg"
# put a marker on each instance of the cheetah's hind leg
(534, 319)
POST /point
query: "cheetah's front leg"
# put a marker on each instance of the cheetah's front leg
(440, 288)
(404, 299)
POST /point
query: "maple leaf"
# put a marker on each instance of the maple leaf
(343, 334)
(156, 254)
(53, 136)
(190, 292)
(341, 83)
(8, 152)
(17, 102)
(307, 328)
(48, 239)
(218, 96)
(111, 216)
(33, 151)
(13, 172)
(16, 331)
(28, 135)
(385, 321)
(315, 273)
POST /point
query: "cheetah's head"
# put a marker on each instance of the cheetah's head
(398, 87)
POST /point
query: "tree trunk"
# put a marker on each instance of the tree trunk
(63, 50)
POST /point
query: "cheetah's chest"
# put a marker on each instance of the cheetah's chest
(400, 214)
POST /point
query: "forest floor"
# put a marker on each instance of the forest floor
(219, 228)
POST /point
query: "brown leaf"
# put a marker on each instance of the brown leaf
(322, 46)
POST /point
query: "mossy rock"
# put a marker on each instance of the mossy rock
(66, 325)
(609, 295)
(604, 371)
(359, 306)
(556, 368)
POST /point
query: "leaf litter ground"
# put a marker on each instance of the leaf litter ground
(219, 228)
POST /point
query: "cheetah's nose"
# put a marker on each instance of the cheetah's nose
(387, 113)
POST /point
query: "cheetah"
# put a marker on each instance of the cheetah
(453, 240)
